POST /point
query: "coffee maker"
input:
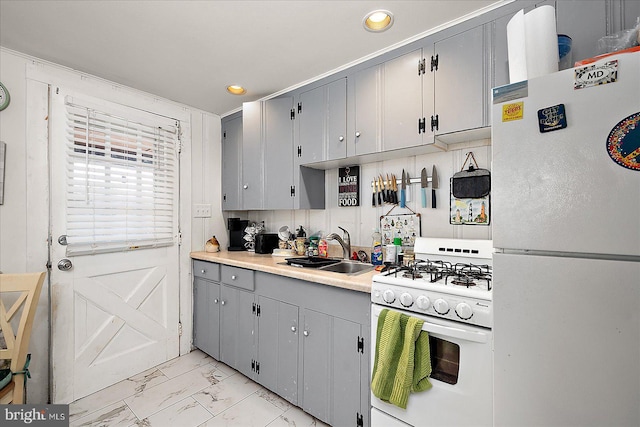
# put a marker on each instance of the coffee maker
(236, 228)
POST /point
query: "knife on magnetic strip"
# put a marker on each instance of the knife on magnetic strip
(434, 186)
(423, 185)
(403, 189)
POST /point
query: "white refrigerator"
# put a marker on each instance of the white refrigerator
(566, 228)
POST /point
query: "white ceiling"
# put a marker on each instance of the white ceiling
(189, 51)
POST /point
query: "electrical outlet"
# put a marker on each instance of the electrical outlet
(202, 211)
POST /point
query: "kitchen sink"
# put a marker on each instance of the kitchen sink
(348, 267)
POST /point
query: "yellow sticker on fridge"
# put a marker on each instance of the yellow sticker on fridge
(513, 111)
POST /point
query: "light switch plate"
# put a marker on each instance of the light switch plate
(202, 211)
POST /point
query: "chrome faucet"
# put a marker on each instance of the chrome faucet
(345, 242)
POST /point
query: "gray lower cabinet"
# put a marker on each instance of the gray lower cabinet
(277, 353)
(206, 315)
(305, 341)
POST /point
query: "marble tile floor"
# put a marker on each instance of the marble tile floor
(190, 391)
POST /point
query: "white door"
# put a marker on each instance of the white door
(115, 303)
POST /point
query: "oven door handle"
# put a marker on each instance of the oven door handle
(449, 331)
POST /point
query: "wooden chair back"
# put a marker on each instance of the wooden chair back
(26, 288)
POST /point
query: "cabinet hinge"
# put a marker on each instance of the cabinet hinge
(179, 237)
(293, 191)
(258, 368)
(299, 107)
(422, 125)
(253, 308)
(434, 122)
(179, 329)
(253, 365)
(434, 62)
(258, 310)
(299, 150)
(293, 114)
(421, 66)
(361, 345)
(359, 419)
(224, 135)
(224, 197)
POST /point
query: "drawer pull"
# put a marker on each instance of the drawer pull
(293, 329)
(215, 301)
(233, 277)
(202, 271)
(305, 333)
(223, 302)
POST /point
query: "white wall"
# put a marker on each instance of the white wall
(24, 214)
(360, 221)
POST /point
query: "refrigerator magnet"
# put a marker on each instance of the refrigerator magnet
(596, 74)
(511, 112)
(623, 143)
(552, 118)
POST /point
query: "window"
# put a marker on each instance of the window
(121, 180)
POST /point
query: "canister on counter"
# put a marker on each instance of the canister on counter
(390, 253)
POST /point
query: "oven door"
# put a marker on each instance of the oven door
(461, 359)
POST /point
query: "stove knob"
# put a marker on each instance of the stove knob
(464, 311)
(441, 306)
(423, 302)
(388, 296)
(406, 299)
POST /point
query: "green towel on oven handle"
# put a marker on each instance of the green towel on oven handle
(402, 360)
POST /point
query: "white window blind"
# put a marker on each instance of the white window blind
(121, 182)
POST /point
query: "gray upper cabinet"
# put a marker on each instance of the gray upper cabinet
(322, 123)
(278, 153)
(403, 102)
(231, 163)
(460, 89)
(364, 137)
(252, 156)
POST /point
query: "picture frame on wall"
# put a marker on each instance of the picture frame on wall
(470, 211)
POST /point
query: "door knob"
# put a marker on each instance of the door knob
(293, 329)
(305, 333)
(65, 264)
(215, 301)
(357, 134)
(223, 302)
(341, 138)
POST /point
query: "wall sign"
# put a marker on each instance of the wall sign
(349, 186)
(623, 143)
(596, 74)
(552, 118)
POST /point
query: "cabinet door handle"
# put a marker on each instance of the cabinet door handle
(305, 333)
(245, 186)
(357, 134)
(293, 329)
(215, 301)
(341, 138)
(223, 302)
(233, 277)
(202, 271)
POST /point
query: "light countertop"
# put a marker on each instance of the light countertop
(277, 265)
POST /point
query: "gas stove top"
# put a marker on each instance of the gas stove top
(450, 278)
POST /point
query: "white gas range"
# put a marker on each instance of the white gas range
(449, 287)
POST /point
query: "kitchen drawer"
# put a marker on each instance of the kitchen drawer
(239, 277)
(206, 270)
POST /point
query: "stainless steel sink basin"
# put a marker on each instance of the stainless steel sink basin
(348, 267)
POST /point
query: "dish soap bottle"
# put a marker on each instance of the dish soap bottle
(376, 248)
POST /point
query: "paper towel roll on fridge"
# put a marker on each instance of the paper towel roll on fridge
(532, 43)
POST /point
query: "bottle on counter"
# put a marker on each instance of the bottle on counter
(323, 247)
(376, 248)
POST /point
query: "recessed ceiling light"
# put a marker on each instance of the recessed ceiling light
(378, 20)
(236, 90)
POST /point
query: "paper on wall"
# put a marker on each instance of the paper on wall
(532, 44)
